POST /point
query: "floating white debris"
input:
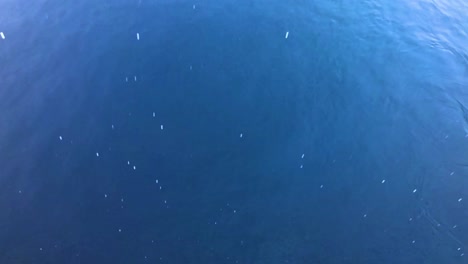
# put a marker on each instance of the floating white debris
(365, 215)
(383, 181)
(157, 181)
(162, 127)
(97, 154)
(415, 190)
(302, 166)
(458, 249)
(2, 35)
(134, 167)
(321, 186)
(241, 135)
(302, 156)
(414, 241)
(459, 200)
(128, 162)
(154, 114)
(126, 79)
(105, 195)
(134, 78)
(138, 36)
(60, 137)
(452, 173)
(120, 230)
(287, 35)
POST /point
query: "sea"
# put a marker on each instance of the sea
(233, 131)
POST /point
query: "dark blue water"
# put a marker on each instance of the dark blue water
(345, 142)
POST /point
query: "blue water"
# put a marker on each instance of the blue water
(374, 94)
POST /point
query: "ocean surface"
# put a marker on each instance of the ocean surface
(234, 131)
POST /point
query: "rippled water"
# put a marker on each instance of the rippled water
(214, 138)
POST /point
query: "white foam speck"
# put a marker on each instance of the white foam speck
(160, 187)
(458, 249)
(97, 154)
(105, 195)
(190, 67)
(193, 7)
(154, 114)
(459, 200)
(455, 226)
(452, 173)
(287, 35)
(411, 219)
(383, 181)
(415, 190)
(128, 162)
(2, 35)
(20, 192)
(241, 135)
(414, 241)
(126, 79)
(162, 127)
(157, 181)
(135, 78)
(60, 137)
(235, 211)
(134, 167)
(40, 249)
(122, 200)
(302, 166)
(138, 36)
(165, 201)
(120, 230)
(302, 156)
(321, 186)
